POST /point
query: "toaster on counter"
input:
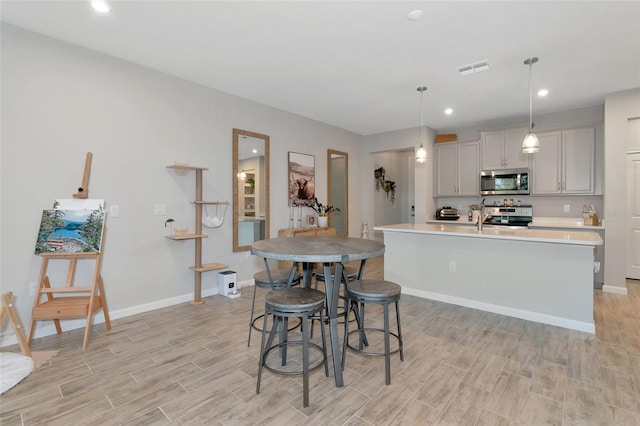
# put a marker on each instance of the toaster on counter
(447, 213)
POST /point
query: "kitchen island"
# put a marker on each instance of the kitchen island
(538, 275)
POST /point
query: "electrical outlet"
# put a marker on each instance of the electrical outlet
(596, 267)
(567, 208)
(114, 211)
(452, 266)
(159, 210)
(32, 289)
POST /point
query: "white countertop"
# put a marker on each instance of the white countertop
(561, 222)
(523, 234)
(463, 221)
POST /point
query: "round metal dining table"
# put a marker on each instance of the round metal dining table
(328, 251)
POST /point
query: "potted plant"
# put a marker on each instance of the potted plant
(390, 189)
(251, 188)
(378, 177)
(323, 212)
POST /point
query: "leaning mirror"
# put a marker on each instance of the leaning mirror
(338, 190)
(250, 188)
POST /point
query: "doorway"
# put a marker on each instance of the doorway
(394, 204)
(633, 221)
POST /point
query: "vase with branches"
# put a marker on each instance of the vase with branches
(323, 210)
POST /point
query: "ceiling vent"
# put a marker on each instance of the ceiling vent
(473, 68)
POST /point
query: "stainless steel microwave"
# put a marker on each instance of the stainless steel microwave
(504, 182)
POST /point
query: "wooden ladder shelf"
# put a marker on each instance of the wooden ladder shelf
(199, 267)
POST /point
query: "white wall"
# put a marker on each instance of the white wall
(61, 101)
(618, 108)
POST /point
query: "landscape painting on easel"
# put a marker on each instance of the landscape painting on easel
(70, 231)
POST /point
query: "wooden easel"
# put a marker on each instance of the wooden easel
(83, 190)
(7, 309)
(85, 300)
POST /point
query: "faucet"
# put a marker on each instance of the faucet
(482, 217)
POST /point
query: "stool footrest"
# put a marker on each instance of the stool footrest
(367, 353)
(313, 367)
(293, 327)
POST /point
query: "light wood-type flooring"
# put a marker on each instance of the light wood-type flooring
(191, 365)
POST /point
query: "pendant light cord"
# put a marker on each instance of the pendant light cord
(422, 89)
(530, 62)
(421, 116)
(530, 99)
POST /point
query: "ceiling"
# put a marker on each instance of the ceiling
(356, 65)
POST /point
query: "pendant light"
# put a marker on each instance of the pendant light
(421, 153)
(530, 144)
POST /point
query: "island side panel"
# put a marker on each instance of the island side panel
(544, 282)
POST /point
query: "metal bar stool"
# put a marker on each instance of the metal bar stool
(273, 279)
(284, 303)
(379, 292)
(348, 274)
(351, 273)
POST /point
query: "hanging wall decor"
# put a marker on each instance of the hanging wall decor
(390, 189)
(378, 176)
(301, 179)
(388, 186)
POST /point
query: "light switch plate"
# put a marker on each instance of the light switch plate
(114, 211)
(159, 210)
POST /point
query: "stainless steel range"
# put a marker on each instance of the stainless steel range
(509, 216)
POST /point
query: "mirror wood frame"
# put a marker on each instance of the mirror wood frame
(330, 200)
(237, 133)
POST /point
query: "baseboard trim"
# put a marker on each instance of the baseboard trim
(10, 339)
(614, 289)
(502, 310)
(67, 325)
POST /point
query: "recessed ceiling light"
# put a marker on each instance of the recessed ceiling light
(543, 92)
(448, 111)
(100, 6)
(414, 15)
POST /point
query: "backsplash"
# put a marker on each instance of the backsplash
(542, 206)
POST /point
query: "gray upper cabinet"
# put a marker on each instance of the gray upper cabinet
(502, 149)
(457, 171)
(565, 163)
